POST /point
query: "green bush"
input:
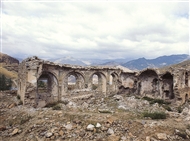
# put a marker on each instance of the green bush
(155, 115)
(167, 107)
(56, 107)
(25, 119)
(18, 97)
(5, 83)
(52, 104)
(152, 101)
(179, 109)
(147, 98)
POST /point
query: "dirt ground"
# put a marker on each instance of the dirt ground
(22, 123)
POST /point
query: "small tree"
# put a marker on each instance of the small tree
(5, 83)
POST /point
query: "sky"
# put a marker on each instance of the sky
(94, 29)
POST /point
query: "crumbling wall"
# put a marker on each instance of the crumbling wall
(129, 83)
(148, 84)
(181, 85)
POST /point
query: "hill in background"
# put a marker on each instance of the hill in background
(8, 66)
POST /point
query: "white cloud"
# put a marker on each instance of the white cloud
(95, 30)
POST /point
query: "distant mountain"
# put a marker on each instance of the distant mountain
(161, 61)
(111, 63)
(9, 66)
(107, 62)
(4, 58)
(68, 60)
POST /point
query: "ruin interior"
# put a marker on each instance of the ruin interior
(41, 82)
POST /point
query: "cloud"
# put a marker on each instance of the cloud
(95, 29)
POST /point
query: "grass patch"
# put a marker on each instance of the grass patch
(155, 115)
(54, 105)
(159, 101)
(25, 119)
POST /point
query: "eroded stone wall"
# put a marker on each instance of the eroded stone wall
(41, 82)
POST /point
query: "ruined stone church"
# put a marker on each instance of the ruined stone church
(41, 81)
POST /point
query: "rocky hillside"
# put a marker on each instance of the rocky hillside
(8, 66)
(4, 58)
(184, 65)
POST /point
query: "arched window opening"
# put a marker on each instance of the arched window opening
(155, 85)
(186, 98)
(71, 82)
(111, 80)
(95, 80)
(186, 79)
(44, 84)
(167, 86)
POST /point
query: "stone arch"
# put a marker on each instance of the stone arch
(47, 87)
(79, 81)
(48, 71)
(113, 82)
(148, 83)
(101, 86)
(167, 86)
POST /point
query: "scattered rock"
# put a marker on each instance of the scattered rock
(12, 105)
(98, 125)
(105, 110)
(49, 134)
(61, 132)
(147, 138)
(15, 131)
(68, 126)
(188, 132)
(161, 136)
(90, 127)
(110, 131)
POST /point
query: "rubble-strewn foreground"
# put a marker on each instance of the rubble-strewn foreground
(92, 117)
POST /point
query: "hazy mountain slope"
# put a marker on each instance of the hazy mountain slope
(143, 63)
(68, 60)
(4, 58)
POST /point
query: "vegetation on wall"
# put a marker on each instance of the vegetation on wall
(5, 83)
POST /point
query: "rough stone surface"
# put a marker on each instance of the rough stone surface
(162, 136)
